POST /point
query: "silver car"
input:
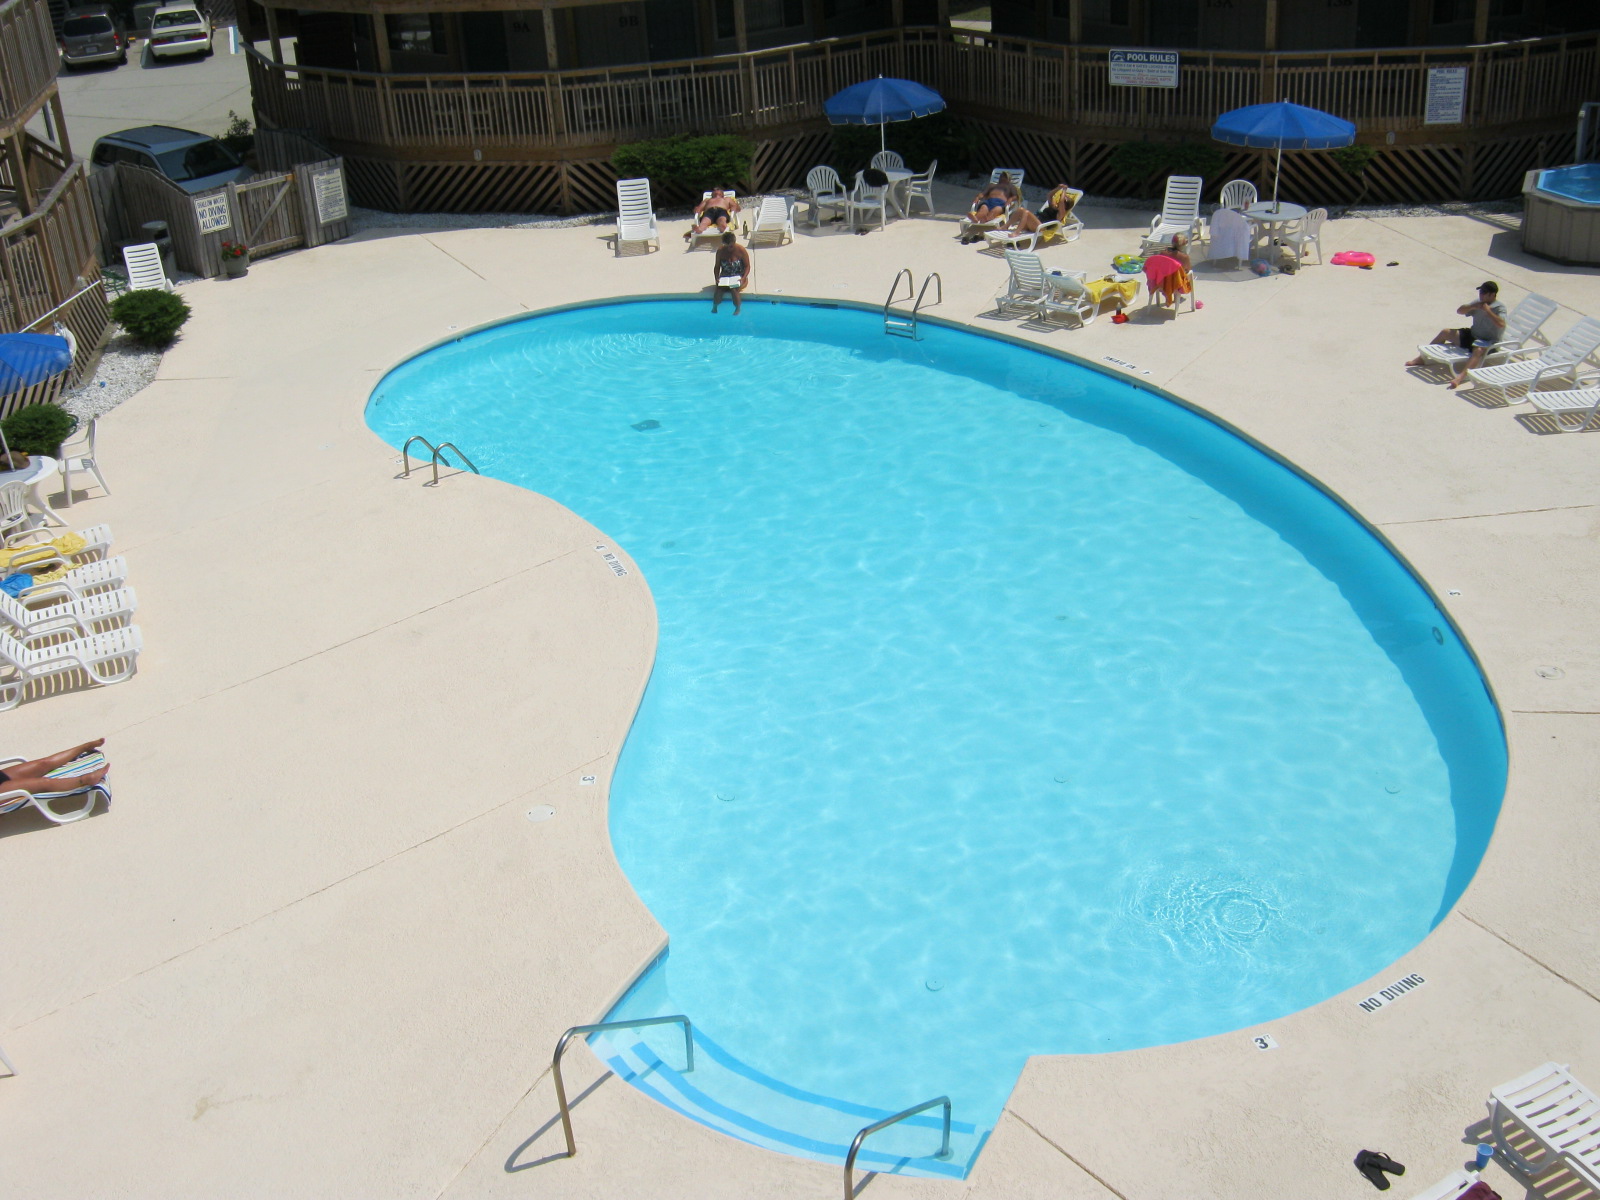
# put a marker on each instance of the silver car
(93, 35)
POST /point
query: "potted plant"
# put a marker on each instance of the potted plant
(235, 259)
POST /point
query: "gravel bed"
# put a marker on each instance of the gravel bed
(126, 369)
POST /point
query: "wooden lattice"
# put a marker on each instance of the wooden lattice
(373, 184)
(783, 162)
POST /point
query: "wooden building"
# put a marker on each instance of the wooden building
(49, 265)
(465, 105)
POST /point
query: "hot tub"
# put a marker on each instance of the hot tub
(1561, 214)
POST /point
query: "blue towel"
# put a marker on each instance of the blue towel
(15, 585)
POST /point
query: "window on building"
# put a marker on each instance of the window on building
(416, 33)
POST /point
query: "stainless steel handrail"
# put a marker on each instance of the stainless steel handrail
(895, 287)
(933, 277)
(855, 1146)
(405, 452)
(439, 450)
(688, 1046)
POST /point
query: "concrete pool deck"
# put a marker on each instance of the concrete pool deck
(317, 948)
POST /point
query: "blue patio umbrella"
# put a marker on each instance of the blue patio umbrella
(30, 358)
(1285, 126)
(880, 101)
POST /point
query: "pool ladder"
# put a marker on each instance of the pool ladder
(436, 453)
(896, 321)
(688, 1051)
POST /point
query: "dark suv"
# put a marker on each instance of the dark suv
(193, 161)
(93, 34)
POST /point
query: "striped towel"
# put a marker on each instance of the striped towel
(82, 765)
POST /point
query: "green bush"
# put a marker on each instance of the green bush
(919, 142)
(151, 317)
(38, 429)
(1353, 160)
(686, 164)
(1141, 163)
(238, 137)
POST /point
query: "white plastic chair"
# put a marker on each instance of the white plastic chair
(96, 541)
(1025, 287)
(77, 618)
(888, 160)
(1308, 233)
(144, 267)
(1238, 195)
(866, 198)
(88, 580)
(1014, 239)
(773, 219)
(1015, 174)
(1451, 1186)
(920, 187)
(824, 189)
(1522, 325)
(106, 658)
(15, 798)
(14, 514)
(1180, 211)
(1066, 294)
(636, 222)
(78, 455)
(1560, 360)
(1581, 403)
(1556, 1111)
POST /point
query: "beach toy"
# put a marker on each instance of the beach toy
(1261, 266)
(1352, 258)
(1128, 264)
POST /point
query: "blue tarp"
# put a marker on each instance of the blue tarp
(30, 358)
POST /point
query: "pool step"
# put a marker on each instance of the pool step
(734, 1098)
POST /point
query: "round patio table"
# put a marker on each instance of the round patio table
(1266, 216)
(32, 476)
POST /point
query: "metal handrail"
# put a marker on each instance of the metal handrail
(895, 287)
(688, 1046)
(435, 453)
(933, 277)
(405, 452)
(855, 1146)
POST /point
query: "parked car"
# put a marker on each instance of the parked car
(193, 161)
(179, 29)
(93, 34)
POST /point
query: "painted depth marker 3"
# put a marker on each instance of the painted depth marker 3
(612, 561)
(1388, 995)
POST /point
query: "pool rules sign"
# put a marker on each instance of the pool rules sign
(1144, 68)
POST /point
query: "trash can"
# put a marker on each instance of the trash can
(156, 231)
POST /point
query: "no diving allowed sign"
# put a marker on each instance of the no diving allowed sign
(612, 561)
(1386, 996)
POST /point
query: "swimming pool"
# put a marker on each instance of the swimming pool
(1001, 707)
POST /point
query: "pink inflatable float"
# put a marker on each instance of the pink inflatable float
(1352, 258)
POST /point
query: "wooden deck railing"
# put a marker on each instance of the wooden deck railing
(1382, 91)
(46, 256)
(28, 60)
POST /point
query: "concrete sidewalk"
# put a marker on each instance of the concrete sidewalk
(318, 949)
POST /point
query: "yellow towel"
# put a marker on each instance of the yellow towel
(1127, 289)
(17, 558)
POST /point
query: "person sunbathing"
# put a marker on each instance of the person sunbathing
(987, 206)
(717, 209)
(35, 777)
(1059, 206)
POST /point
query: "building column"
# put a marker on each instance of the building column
(741, 37)
(552, 56)
(19, 172)
(1480, 23)
(1075, 22)
(380, 43)
(272, 35)
(60, 122)
(1272, 26)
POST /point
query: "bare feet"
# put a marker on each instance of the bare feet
(56, 761)
(1457, 382)
(1415, 362)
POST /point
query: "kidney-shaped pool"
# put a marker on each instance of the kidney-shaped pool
(1001, 707)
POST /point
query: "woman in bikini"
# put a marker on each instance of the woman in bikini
(986, 206)
(716, 209)
(34, 776)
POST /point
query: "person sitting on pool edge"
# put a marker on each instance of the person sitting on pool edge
(35, 776)
(1488, 326)
(716, 209)
(730, 270)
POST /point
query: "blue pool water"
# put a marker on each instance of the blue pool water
(1000, 707)
(1579, 182)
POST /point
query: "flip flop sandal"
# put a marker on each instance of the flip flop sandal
(1384, 1163)
(1374, 1173)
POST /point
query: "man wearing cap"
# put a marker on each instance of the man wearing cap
(1488, 326)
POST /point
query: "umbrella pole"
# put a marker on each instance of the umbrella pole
(1276, 170)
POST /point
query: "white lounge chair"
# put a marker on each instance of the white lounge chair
(1309, 233)
(105, 658)
(636, 222)
(88, 580)
(15, 798)
(1015, 174)
(1580, 403)
(824, 189)
(145, 270)
(1069, 295)
(888, 160)
(1025, 287)
(78, 454)
(96, 541)
(920, 187)
(1180, 211)
(77, 617)
(1238, 195)
(773, 219)
(714, 233)
(1451, 1186)
(1562, 359)
(970, 227)
(865, 199)
(1522, 323)
(1556, 1111)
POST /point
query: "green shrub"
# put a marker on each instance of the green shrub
(686, 164)
(238, 138)
(1353, 160)
(1141, 163)
(919, 142)
(151, 317)
(38, 429)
